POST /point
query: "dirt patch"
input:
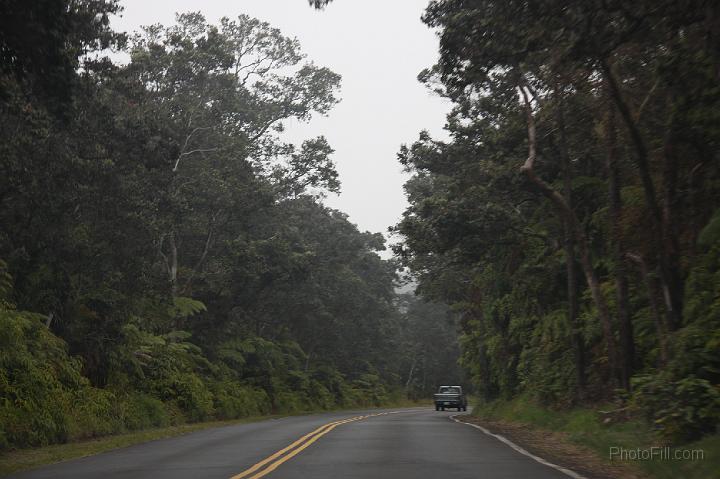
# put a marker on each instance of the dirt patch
(556, 448)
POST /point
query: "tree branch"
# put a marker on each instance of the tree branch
(199, 150)
(576, 230)
(641, 154)
(203, 256)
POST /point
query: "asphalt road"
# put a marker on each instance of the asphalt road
(416, 443)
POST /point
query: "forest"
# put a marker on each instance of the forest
(165, 256)
(572, 218)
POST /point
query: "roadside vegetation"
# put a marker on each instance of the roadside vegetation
(28, 458)
(165, 256)
(572, 218)
(598, 432)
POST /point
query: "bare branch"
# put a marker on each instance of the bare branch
(162, 254)
(206, 250)
(199, 150)
(639, 112)
(528, 168)
(183, 150)
(574, 225)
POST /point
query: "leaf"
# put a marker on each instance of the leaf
(184, 307)
(710, 234)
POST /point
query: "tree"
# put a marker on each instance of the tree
(591, 92)
(224, 90)
(319, 4)
(42, 44)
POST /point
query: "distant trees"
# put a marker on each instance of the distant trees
(606, 110)
(428, 340)
(319, 4)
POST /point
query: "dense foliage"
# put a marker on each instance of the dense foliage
(572, 217)
(166, 256)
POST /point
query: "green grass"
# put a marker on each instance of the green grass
(21, 459)
(585, 428)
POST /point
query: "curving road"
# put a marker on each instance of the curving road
(415, 443)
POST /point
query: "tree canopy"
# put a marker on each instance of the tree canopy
(566, 217)
(165, 254)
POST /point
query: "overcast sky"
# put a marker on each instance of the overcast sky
(379, 47)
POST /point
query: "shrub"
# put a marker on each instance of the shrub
(683, 400)
(335, 384)
(682, 409)
(38, 381)
(192, 396)
(369, 390)
(141, 411)
(233, 400)
(291, 402)
(319, 395)
(93, 412)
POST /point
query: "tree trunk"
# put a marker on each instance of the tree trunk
(671, 248)
(572, 313)
(577, 231)
(173, 269)
(171, 262)
(410, 375)
(627, 344)
(570, 264)
(206, 249)
(652, 292)
(672, 283)
(307, 361)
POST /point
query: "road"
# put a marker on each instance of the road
(415, 443)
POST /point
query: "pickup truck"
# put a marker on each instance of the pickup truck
(450, 396)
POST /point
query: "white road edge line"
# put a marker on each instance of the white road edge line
(522, 451)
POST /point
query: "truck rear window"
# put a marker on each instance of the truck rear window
(449, 390)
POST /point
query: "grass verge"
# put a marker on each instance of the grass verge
(22, 459)
(585, 428)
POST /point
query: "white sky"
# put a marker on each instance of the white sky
(379, 47)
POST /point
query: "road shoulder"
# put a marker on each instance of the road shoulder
(555, 448)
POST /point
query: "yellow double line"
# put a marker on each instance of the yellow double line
(273, 462)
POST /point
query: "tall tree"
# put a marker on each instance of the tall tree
(543, 80)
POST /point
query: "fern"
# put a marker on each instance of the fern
(184, 307)
(710, 234)
(5, 283)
